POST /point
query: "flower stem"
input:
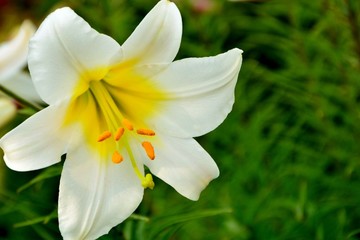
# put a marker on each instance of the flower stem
(20, 100)
(354, 26)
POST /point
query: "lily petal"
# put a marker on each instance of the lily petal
(181, 163)
(199, 94)
(95, 195)
(61, 52)
(36, 143)
(7, 110)
(157, 38)
(20, 83)
(14, 52)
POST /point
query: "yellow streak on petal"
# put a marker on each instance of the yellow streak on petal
(83, 114)
(139, 97)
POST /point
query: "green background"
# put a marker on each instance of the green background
(288, 153)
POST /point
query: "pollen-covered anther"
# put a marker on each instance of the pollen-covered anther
(147, 132)
(149, 149)
(127, 124)
(117, 157)
(105, 135)
(119, 133)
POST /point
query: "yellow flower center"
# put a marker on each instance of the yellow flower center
(110, 114)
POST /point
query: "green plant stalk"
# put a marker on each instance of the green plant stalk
(352, 18)
(20, 100)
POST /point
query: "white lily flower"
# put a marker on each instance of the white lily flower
(113, 109)
(13, 53)
(13, 58)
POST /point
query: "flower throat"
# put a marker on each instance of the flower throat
(119, 129)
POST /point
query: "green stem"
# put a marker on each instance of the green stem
(354, 26)
(21, 100)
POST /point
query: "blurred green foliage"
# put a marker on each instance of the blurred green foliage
(288, 153)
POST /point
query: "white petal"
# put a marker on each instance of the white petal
(182, 163)
(7, 110)
(65, 53)
(36, 143)
(14, 52)
(95, 195)
(21, 84)
(199, 94)
(157, 38)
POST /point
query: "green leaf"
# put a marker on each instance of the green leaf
(163, 226)
(43, 219)
(47, 173)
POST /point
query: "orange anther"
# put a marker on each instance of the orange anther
(117, 158)
(149, 149)
(146, 132)
(105, 135)
(119, 133)
(127, 124)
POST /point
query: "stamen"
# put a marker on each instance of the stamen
(117, 158)
(148, 182)
(119, 133)
(105, 135)
(147, 132)
(149, 149)
(127, 124)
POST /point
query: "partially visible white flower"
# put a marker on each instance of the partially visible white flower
(13, 58)
(113, 109)
(7, 110)
(13, 53)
